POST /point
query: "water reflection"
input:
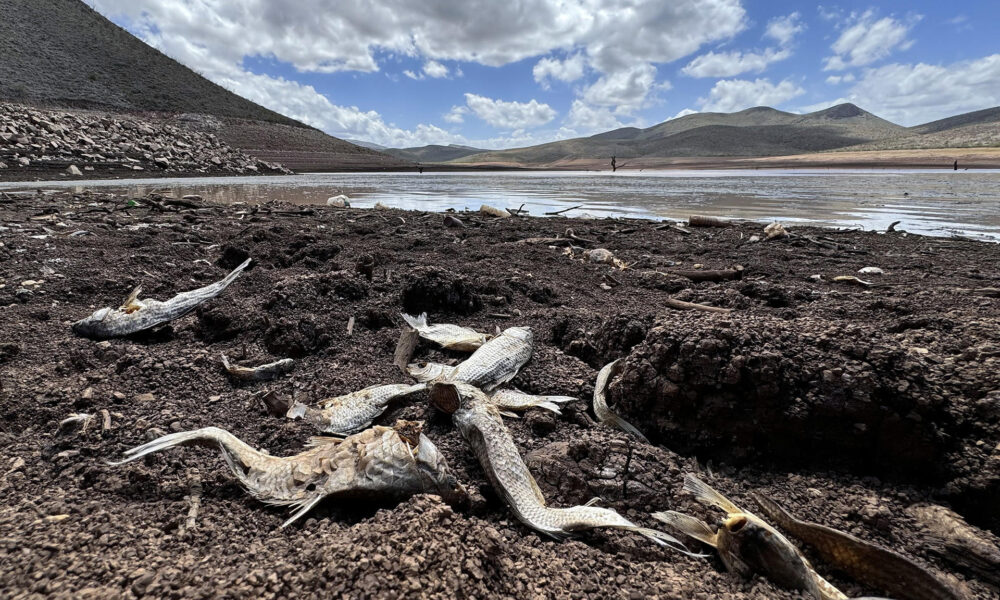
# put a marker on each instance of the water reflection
(931, 202)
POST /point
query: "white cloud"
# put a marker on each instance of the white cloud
(433, 68)
(867, 40)
(456, 114)
(683, 113)
(509, 115)
(784, 29)
(567, 70)
(729, 95)
(838, 79)
(917, 93)
(587, 119)
(413, 75)
(626, 89)
(727, 64)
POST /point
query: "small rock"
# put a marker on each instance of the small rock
(74, 171)
(87, 394)
(147, 397)
(871, 271)
(492, 211)
(450, 221)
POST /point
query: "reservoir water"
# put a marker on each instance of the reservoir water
(929, 202)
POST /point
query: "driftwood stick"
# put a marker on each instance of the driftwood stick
(703, 221)
(682, 305)
(407, 344)
(559, 212)
(350, 326)
(892, 227)
(722, 275)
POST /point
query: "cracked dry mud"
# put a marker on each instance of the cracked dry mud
(846, 404)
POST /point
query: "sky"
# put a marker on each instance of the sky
(510, 73)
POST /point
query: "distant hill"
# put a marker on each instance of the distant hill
(369, 145)
(979, 117)
(759, 131)
(977, 129)
(433, 153)
(61, 53)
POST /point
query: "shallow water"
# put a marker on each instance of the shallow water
(928, 202)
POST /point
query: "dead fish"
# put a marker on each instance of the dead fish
(136, 315)
(748, 545)
(352, 412)
(852, 279)
(451, 337)
(601, 410)
(866, 562)
(516, 400)
(264, 372)
(381, 462)
(497, 361)
(480, 424)
(966, 547)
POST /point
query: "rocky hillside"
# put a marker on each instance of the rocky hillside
(433, 153)
(759, 131)
(63, 54)
(84, 143)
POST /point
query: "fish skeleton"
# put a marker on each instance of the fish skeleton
(264, 372)
(135, 315)
(480, 424)
(516, 400)
(451, 337)
(866, 562)
(605, 414)
(748, 545)
(380, 462)
(352, 412)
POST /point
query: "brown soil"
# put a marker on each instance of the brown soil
(787, 395)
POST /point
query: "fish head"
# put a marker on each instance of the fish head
(748, 545)
(424, 372)
(520, 333)
(92, 326)
(435, 474)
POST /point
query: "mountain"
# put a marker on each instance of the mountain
(980, 117)
(758, 131)
(61, 53)
(369, 145)
(433, 153)
(977, 129)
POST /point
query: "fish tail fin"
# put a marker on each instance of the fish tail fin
(303, 507)
(663, 539)
(688, 525)
(132, 297)
(625, 426)
(559, 399)
(552, 406)
(235, 273)
(707, 495)
(232, 447)
(419, 322)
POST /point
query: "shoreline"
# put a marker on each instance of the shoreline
(883, 391)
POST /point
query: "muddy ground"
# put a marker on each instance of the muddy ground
(849, 404)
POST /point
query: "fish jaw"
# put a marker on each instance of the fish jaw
(748, 545)
(93, 326)
(436, 475)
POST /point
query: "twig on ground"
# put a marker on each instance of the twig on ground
(682, 305)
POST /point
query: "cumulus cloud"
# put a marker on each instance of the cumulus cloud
(585, 119)
(866, 39)
(784, 29)
(433, 68)
(910, 94)
(626, 89)
(617, 38)
(727, 64)
(509, 115)
(567, 70)
(683, 113)
(838, 79)
(456, 114)
(729, 95)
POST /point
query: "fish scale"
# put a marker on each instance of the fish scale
(497, 361)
